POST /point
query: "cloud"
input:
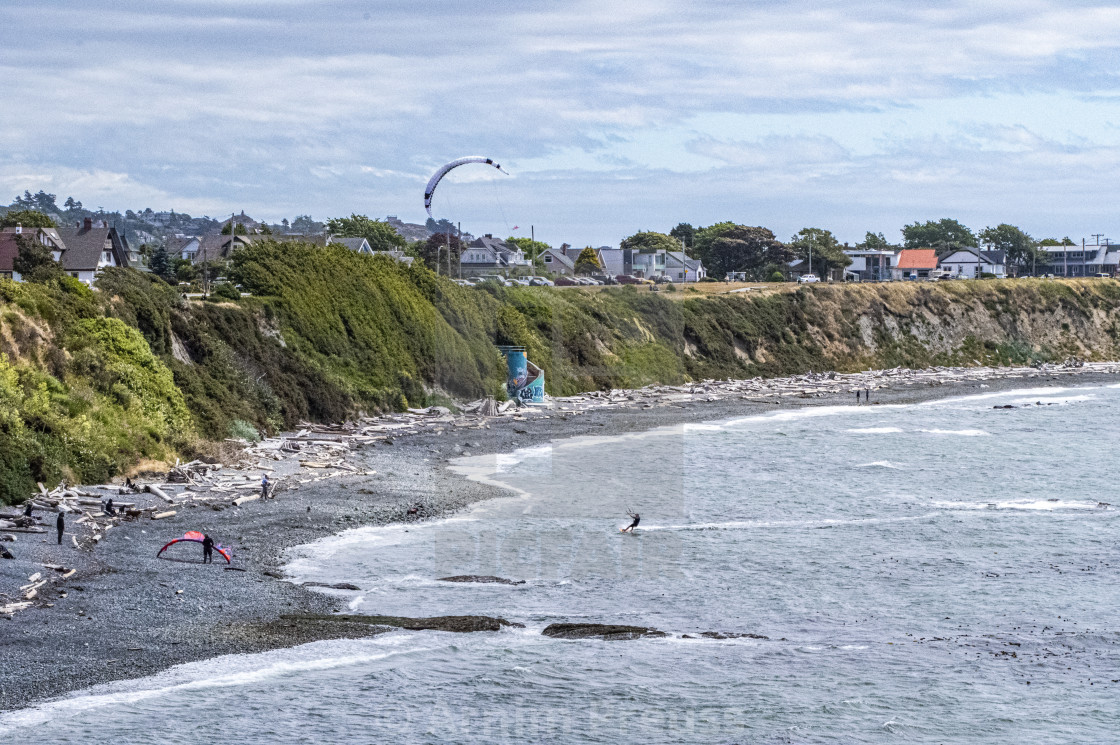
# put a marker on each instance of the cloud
(702, 109)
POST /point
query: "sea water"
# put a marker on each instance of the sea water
(941, 572)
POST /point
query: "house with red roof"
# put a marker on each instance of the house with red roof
(915, 263)
(9, 246)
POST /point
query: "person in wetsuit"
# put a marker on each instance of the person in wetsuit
(60, 523)
(637, 518)
(207, 549)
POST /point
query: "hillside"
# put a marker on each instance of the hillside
(93, 383)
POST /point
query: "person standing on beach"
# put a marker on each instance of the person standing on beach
(867, 395)
(207, 550)
(60, 523)
(857, 395)
(264, 486)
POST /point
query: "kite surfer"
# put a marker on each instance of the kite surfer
(60, 523)
(630, 528)
(207, 549)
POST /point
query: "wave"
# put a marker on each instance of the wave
(1042, 505)
(874, 431)
(750, 524)
(880, 464)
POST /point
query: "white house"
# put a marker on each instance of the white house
(964, 262)
(487, 255)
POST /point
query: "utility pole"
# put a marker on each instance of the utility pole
(810, 251)
(459, 235)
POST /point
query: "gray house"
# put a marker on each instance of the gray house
(90, 247)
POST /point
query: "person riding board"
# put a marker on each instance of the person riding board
(637, 518)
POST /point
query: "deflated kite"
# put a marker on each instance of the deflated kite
(193, 536)
(430, 189)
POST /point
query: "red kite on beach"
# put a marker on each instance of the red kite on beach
(193, 536)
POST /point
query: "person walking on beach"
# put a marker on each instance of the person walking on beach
(207, 550)
(264, 486)
(867, 395)
(637, 518)
(60, 523)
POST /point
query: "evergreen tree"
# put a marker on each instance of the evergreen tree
(161, 265)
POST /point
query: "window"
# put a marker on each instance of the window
(547, 259)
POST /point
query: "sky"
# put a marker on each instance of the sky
(610, 117)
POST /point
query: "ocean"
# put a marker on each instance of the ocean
(937, 572)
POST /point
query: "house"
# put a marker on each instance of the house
(487, 255)
(9, 246)
(560, 261)
(870, 265)
(361, 245)
(1085, 260)
(91, 245)
(967, 262)
(680, 267)
(917, 263)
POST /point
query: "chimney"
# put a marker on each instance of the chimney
(89, 223)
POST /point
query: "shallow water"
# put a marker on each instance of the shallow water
(932, 573)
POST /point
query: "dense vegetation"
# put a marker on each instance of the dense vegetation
(94, 383)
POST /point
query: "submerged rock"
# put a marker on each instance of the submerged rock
(482, 579)
(458, 624)
(606, 631)
(721, 635)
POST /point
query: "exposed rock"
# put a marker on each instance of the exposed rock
(335, 586)
(606, 631)
(720, 635)
(482, 579)
(459, 624)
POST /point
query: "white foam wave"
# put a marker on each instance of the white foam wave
(1041, 505)
(880, 464)
(957, 432)
(751, 524)
(1050, 400)
(874, 431)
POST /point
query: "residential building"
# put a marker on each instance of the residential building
(870, 265)
(1083, 260)
(9, 246)
(560, 261)
(361, 245)
(967, 262)
(915, 263)
(680, 267)
(488, 255)
(91, 246)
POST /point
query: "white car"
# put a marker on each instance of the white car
(806, 279)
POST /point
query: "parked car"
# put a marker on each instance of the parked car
(519, 281)
(540, 282)
(663, 279)
(630, 279)
(806, 279)
(494, 278)
(604, 279)
(1105, 275)
(567, 282)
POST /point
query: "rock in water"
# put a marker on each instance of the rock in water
(459, 624)
(482, 579)
(335, 586)
(599, 630)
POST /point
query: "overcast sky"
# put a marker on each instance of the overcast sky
(611, 117)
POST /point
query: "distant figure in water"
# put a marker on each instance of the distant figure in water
(637, 518)
(867, 395)
(857, 395)
(207, 549)
(60, 523)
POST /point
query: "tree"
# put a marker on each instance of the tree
(827, 253)
(381, 235)
(35, 262)
(434, 250)
(875, 242)
(1021, 248)
(650, 242)
(588, 262)
(236, 227)
(728, 247)
(161, 265)
(72, 205)
(685, 233)
(441, 225)
(304, 224)
(1067, 241)
(41, 201)
(27, 218)
(943, 235)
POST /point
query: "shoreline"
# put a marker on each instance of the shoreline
(125, 614)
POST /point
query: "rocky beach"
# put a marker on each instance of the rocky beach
(96, 610)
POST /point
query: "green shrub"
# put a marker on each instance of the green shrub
(241, 429)
(225, 291)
